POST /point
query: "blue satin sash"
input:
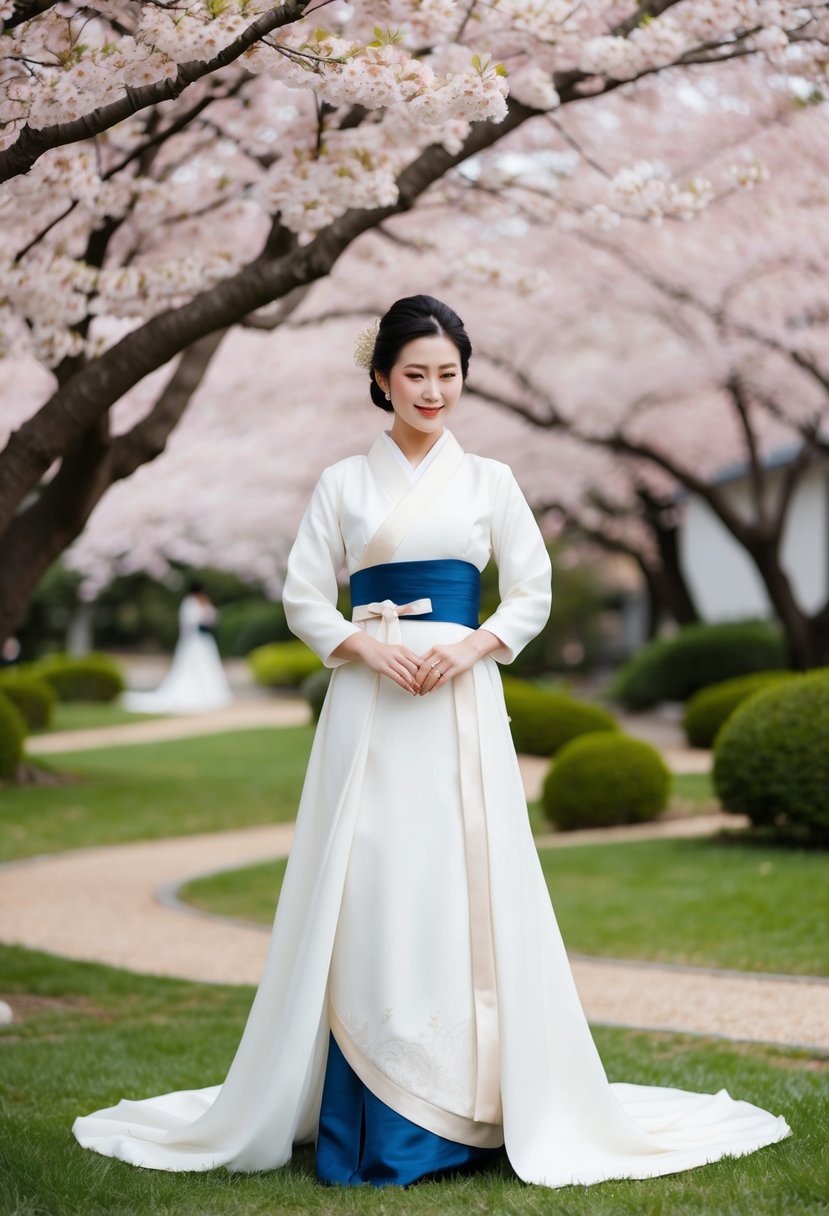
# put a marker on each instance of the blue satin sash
(361, 1139)
(453, 586)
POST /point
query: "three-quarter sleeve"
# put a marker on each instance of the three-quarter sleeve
(524, 571)
(309, 593)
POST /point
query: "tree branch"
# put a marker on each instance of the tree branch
(31, 143)
(281, 267)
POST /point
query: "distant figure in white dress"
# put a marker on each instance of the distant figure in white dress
(196, 680)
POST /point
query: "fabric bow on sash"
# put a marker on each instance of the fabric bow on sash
(391, 614)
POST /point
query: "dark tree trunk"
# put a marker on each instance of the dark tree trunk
(675, 593)
(58, 513)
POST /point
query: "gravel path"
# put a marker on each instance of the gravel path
(241, 715)
(117, 905)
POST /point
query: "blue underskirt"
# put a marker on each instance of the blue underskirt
(361, 1139)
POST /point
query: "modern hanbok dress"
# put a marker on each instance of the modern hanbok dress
(416, 982)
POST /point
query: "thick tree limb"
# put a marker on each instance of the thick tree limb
(31, 143)
(280, 269)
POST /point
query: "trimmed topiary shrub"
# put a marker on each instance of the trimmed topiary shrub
(33, 697)
(92, 677)
(771, 758)
(283, 664)
(604, 779)
(542, 722)
(12, 738)
(314, 688)
(673, 669)
(709, 708)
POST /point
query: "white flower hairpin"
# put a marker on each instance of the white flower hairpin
(364, 349)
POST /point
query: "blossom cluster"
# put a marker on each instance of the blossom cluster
(310, 122)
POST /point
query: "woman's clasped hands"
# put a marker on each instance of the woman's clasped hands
(421, 673)
(418, 673)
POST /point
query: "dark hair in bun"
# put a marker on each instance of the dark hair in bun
(409, 318)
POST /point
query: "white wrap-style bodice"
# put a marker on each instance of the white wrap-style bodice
(479, 514)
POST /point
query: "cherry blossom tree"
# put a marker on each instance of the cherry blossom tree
(718, 358)
(172, 170)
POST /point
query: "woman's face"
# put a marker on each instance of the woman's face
(425, 382)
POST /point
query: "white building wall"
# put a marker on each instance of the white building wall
(720, 573)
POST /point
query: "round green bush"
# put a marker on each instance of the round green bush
(33, 697)
(604, 779)
(709, 708)
(12, 738)
(283, 664)
(771, 758)
(92, 677)
(542, 722)
(314, 688)
(673, 669)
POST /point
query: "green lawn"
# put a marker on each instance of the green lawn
(145, 791)
(87, 715)
(90, 1035)
(701, 902)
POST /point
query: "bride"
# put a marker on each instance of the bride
(196, 680)
(417, 1015)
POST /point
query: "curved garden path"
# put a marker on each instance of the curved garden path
(118, 905)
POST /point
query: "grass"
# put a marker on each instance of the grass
(699, 902)
(249, 893)
(693, 789)
(89, 715)
(178, 787)
(90, 1035)
(150, 790)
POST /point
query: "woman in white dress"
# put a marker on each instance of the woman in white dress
(196, 681)
(417, 1015)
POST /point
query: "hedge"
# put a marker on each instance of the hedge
(709, 708)
(283, 664)
(12, 738)
(92, 677)
(771, 758)
(246, 625)
(542, 722)
(673, 669)
(604, 779)
(33, 697)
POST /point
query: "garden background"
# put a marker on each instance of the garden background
(202, 205)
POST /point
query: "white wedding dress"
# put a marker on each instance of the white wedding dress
(414, 923)
(196, 681)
